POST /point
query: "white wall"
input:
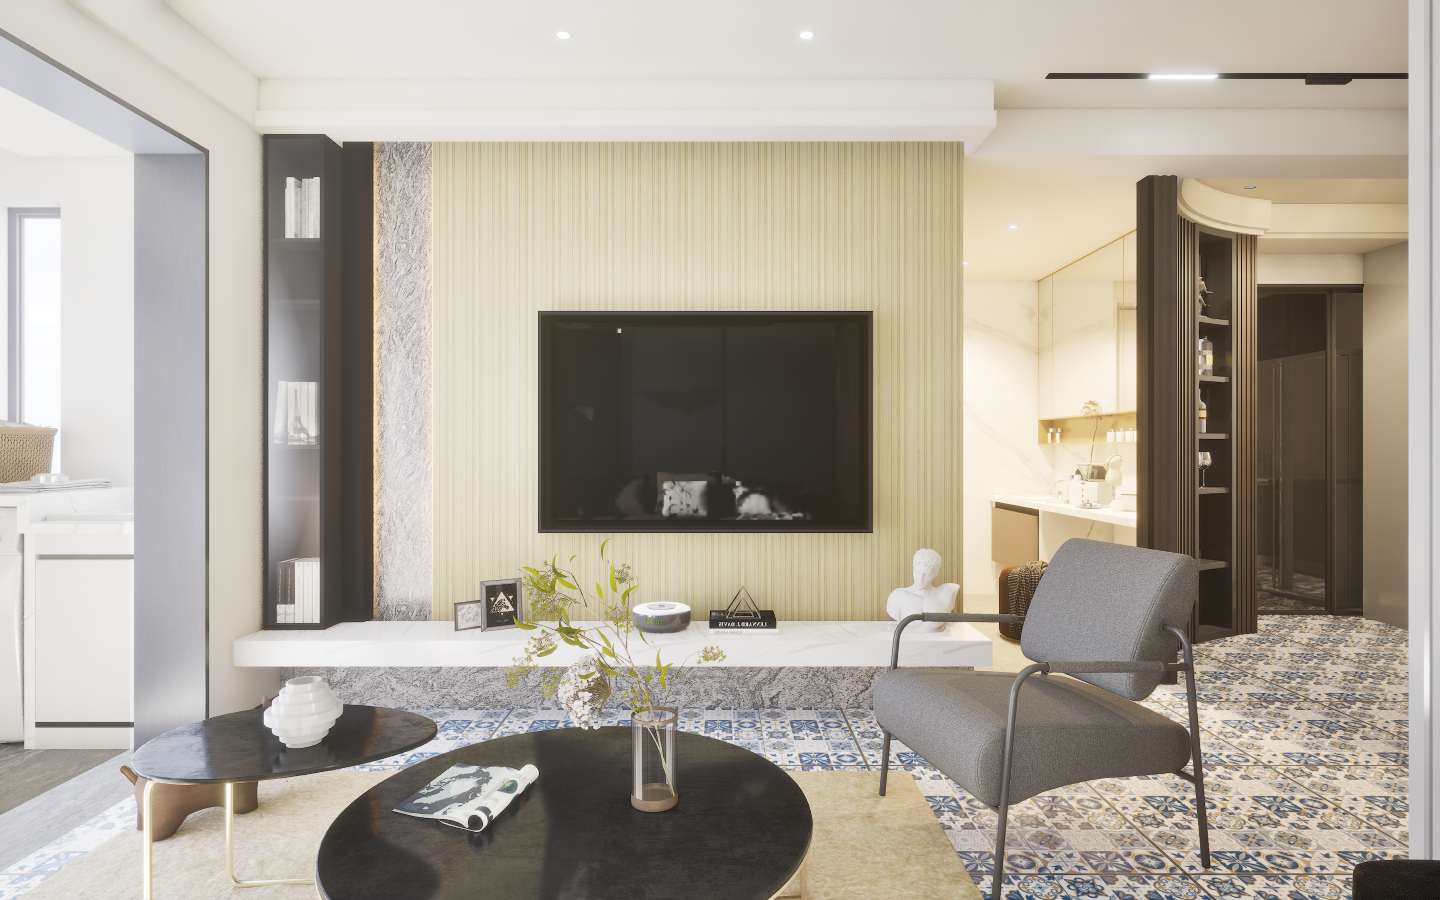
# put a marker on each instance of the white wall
(1002, 455)
(62, 32)
(1386, 336)
(1309, 268)
(97, 230)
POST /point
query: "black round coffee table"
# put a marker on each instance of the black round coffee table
(740, 831)
(238, 747)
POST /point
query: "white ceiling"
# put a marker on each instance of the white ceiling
(27, 129)
(1015, 43)
(1068, 206)
(1315, 190)
(1062, 161)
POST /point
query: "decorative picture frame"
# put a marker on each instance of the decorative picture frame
(469, 615)
(503, 604)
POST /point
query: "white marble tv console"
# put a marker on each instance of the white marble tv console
(430, 644)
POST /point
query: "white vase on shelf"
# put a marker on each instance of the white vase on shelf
(304, 712)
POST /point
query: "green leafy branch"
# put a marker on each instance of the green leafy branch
(555, 602)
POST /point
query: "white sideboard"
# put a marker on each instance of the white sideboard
(439, 644)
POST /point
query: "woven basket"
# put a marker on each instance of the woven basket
(25, 452)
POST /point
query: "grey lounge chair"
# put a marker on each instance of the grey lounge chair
(1106, 614)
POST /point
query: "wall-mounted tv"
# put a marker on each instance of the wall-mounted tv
(713, 421)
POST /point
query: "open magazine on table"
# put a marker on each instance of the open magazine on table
(469, 797)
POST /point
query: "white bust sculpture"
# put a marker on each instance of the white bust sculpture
(923, 596)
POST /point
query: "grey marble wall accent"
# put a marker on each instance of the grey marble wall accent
(402, 381)
(721, 687)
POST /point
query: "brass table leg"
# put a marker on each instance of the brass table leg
(229, 848)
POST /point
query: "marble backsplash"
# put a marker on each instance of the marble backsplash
(1001, 454)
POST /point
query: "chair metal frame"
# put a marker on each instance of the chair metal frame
(1187, 666)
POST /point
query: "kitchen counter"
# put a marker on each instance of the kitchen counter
(1050, 505)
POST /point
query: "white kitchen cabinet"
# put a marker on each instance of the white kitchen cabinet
(83, 647)
(77, 623)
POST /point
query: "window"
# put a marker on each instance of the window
(32, 326)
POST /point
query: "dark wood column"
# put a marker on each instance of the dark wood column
(1165, 396)
(1245, 328)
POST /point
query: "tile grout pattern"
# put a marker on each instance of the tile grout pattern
(1304, 732)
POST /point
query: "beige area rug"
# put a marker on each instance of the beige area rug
(864, 845)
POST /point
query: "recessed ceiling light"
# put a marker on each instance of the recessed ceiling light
(806, 35)
(1013, 227)
(1176, 77)
(563, 35)
(965, 263)
(1251, 187)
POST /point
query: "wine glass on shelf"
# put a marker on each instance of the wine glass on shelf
(1205, 462)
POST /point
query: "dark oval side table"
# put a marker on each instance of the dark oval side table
(238, 747)
(741, 830)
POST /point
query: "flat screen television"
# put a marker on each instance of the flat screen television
(713, 421)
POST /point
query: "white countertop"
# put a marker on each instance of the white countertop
(438, 644)
(1050, 505)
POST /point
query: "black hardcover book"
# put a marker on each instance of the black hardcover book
(764, 621)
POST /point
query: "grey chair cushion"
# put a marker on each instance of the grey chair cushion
(1066, 731)
(1102, 602)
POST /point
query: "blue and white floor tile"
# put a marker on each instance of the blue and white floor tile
(1304, 728)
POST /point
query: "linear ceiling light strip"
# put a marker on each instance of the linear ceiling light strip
(1307, 77)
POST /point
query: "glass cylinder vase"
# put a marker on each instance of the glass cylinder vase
(652, 755)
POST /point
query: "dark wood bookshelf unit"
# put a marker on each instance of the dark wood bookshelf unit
(318, 383)
(1215, 523)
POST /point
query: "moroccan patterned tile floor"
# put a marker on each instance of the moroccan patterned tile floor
(1305, 752)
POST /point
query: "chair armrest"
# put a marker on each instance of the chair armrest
(971, 617)
(944, 617)
(1094, 668)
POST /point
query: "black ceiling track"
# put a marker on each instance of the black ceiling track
(1307, 77)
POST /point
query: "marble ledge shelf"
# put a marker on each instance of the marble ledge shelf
(1042, 504)
(429, 644)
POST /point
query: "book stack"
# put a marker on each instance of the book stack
(299, 594)
(302, 207)
(297, 419)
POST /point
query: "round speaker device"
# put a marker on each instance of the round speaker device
(661, 617)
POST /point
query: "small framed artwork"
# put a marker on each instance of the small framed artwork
(499, 607)
(470, 614)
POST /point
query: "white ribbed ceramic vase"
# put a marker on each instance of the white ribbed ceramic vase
(304, 712)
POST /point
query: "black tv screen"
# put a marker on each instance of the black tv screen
(705, 421)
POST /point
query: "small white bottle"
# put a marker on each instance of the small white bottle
(1110, 436)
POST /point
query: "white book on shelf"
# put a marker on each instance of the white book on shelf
(284, 592)
(312, 590)
(312, 411)
(302, 573)
(292, 204)
(312, 207)
(301, 198)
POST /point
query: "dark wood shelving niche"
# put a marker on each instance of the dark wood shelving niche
(1215, 525)
(319, 338)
